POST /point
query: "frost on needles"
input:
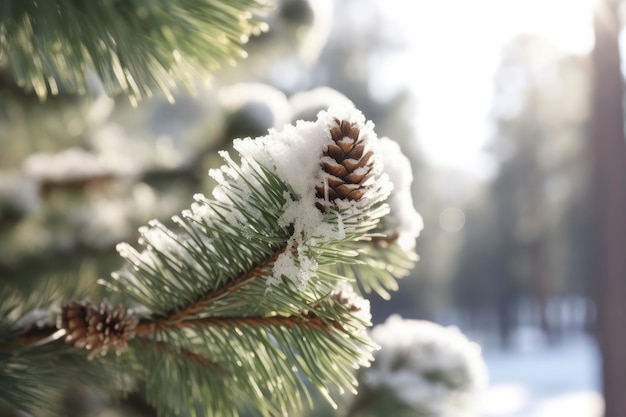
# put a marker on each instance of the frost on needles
(253, 296)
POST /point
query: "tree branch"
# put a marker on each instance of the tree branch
(188, 355)
(185, 317)
(229, 287)
(309, 320)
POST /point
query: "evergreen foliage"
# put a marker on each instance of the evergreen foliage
(134, 46)
(248, 299)
(244, 303)
(35, 371)
(431, 369)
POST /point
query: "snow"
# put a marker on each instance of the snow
(131, 155)
(359, 306)
(550, 381)
(528, 380)
(434, 369)
(102, 221)
(19, 192)
(73, 163)
(261, 100)
(306, 105)
(406, 222)
(295, 153)
(38, 318)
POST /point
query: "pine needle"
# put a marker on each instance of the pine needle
(136, 47)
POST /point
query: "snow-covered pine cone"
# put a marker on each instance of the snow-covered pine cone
(97, 329)
(347, 164)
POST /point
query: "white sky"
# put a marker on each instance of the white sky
(455, 46)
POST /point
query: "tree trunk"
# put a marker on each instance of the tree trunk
(609, 162)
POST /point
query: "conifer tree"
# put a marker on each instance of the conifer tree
(135, 47)
(250, 301)
(249, 298)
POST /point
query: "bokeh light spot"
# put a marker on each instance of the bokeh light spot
(452, 219)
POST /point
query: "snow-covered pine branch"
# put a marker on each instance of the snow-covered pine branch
(422, 369)
(248, 298)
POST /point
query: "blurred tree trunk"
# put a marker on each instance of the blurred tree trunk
(609, 160)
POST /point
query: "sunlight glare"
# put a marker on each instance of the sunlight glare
(453, 55)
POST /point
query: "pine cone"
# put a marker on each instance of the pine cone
(97, 329)
(346, 164)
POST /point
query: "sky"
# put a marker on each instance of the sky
(454, 48)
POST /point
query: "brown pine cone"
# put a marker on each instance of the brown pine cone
(97, 329)
(346, 165)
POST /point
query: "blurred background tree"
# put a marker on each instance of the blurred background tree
(533, 248)
(609, 197)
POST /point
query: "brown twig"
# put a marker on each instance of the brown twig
(188, 355)
(186, 317)
(235, 285)
(309, 320)
(31, 336)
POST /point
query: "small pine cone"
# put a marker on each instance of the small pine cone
(72, 320)
(97, 329)
(346, 164)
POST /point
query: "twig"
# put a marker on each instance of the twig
(188, 355)
(310, 321)
(230, 287)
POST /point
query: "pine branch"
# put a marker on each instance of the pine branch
(310, 321)
(378, 265)
(422, 369)
(243, 302)
(134, 46)
(35, 368)
(232, 286)
(189, 356)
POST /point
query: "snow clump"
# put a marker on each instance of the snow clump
(433, 369)
(295, 154)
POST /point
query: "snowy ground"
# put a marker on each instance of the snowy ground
(546, 381)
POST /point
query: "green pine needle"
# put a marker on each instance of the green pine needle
(245, 302)
(34, 378)
(224, 339)
(134, 46)
(209, 248)
(258, 364)
(377, 266)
